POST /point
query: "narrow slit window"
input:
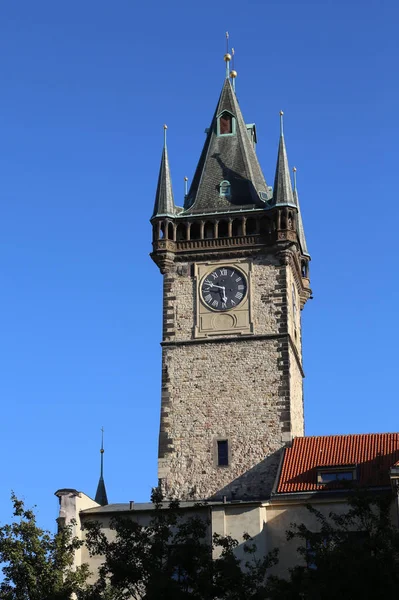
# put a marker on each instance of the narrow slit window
(223, 453)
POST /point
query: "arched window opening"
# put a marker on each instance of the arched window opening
(283, 221)
(170, 231)
(223, 229)
(290, 221)
(224, 189)
(181, 232)
(251, 226)
(237, 227)
(209, 231)
(195, 232)
(304, 268)
(162, 231)
(225, 123)
(265, 227)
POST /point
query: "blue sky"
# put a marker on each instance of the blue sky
(86, 88)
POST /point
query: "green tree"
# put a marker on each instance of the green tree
(171, 558)
(38, 565)
(352, 555)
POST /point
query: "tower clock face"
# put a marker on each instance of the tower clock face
(224, 288)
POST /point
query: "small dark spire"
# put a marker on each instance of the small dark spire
(282, 190)
(300, 230)
(164, 202)
(101, 494)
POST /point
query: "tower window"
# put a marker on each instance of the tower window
(226, 124)
(224, 189)
(223, 453)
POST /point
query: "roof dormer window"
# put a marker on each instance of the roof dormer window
(336, 474)
(226, 124)
(224, 189)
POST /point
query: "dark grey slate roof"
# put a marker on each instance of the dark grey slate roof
(164, 203)
(229, 158)
(300, 231)
(150, 506)
(282, 190)
(101, 493)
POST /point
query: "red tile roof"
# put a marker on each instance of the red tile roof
(373, 453)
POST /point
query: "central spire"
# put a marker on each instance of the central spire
(228, 175)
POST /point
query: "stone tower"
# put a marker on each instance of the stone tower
(235, 277)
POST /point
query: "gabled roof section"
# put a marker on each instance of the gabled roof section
(373, 455)
(229, 158)
(282, 190)
(300, 229)
(164, 203)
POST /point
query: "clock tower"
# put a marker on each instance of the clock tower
(235, 273)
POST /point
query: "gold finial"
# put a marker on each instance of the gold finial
(227, 57)
(186, 179)
(185, 186)
(165, 126)
(281, 123)
(294, 171)
(233, 74)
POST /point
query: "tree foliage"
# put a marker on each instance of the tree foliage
(349, 555)
(346, 556)
(171, 558)
(38, 565)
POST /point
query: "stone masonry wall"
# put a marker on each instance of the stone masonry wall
(248, 391)
(234, 391)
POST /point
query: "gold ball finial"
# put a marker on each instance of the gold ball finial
(233, 74)
(294, 169)
(227, 57)
(281, 113)
(186, 179)
(165, 127)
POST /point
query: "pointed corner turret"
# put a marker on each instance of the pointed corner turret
(164, 203)
(300, 229)
(101, 493)
(282, 190)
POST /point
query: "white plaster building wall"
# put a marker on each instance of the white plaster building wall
(279, 521)
(72, 503)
